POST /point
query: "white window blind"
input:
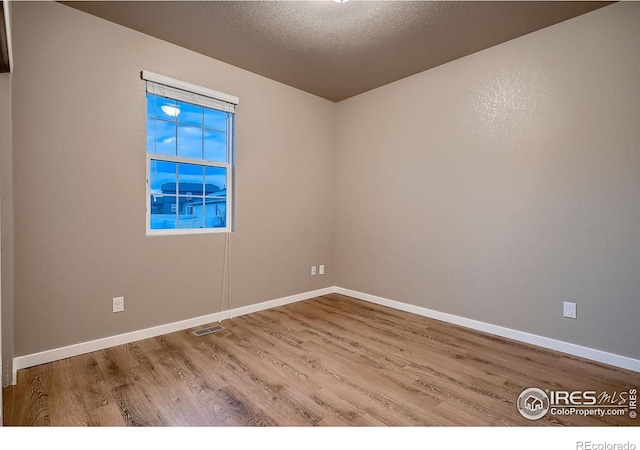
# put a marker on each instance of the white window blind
(187, 92)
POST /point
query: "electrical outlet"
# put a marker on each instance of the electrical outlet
(313, 270)
(321, 269)
(118, 304)
(569, 310)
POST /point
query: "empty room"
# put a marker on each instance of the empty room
(336, 214)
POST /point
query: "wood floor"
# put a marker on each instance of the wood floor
(329, 361)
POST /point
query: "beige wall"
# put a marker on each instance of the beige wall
(79, 185)
(499, 185)
(6, 230)
(494, 187)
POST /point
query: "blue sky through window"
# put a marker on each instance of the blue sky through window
(186, 194)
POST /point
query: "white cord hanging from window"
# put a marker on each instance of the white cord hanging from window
(225, 288)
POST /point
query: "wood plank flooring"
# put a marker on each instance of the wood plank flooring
(329, 361)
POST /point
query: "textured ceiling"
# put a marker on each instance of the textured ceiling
(336, 50)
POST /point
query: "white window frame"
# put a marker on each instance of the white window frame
(213, 100)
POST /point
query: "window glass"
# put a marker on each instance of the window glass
(165, 138)
(215, 145)
(190, 114)
(215, 120)
(189, 141)
(190, 152)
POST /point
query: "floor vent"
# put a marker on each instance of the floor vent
(204, 331)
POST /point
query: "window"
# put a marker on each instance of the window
(190, 157)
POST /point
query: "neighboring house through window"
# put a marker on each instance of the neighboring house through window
(190, 157)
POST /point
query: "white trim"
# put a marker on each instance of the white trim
(186, 160)
(34, 359)
(186, 231)
(185, 86)
(22, 362)
(521, 336)
(7, 27)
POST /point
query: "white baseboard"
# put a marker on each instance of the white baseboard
(521, 336)
(34, 359)
(22, 362)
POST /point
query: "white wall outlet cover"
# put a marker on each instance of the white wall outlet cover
(569, 310)
(118, 304)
